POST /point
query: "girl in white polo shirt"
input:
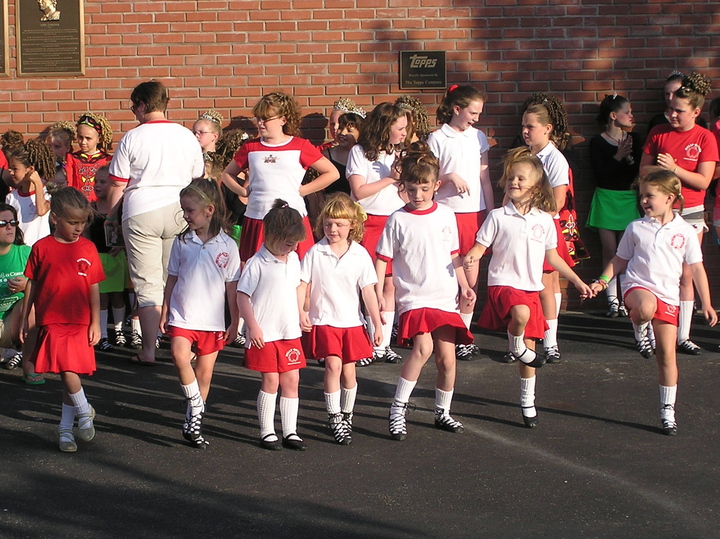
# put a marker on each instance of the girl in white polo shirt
(338, 270)
(421, 240)
(652, 253)
(522, 235)
(203, 255)
(270, 301)
(462, 152)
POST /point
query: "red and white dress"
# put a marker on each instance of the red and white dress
(81, 168)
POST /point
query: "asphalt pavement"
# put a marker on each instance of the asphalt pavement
(596, 466)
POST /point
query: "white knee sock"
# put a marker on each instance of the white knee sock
(467, 319)
(558, 301)
(389, 317)
(118, 318)
(550, 338)
(288, 415)
(347, 399)
(443, 400)
(527, 396)
(332, 402)
(82, 407)
(195, 401)
(103, 323)
(135, 325)
(641, 330)
(266, 413)
(67, 420)
(685, 320)
(404, 390)
(517, 343)
(612, 291)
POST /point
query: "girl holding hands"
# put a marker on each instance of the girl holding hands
(339, 270)
(654, 253)
(522, 235)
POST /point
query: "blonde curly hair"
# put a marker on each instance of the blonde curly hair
(100, 124)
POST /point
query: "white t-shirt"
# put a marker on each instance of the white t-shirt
(157, 159)
(460, 153)
(272, 287)
(518, 245)
(34, 227)
(202, 269)
(387, 199)
(655, 255)
(336, 284)
(420, 244)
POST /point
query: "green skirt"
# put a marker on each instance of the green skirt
(612, 210)
(116, 273)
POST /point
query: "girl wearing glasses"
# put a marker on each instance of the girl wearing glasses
(208, 130)
(274, 166)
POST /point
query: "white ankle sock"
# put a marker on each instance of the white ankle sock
(67, 420)
(550, 338)
(195, 401)
(443, 400)
(527, 396)
(517, 343)
(467, 319)
(558, 302)
(332, 402)
(266, 412)
(347, 399)
(103, 323)
(685, 320)
(288, 415)
(404, 390)
(118, 318)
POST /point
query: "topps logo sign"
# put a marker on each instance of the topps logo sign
(422, 70)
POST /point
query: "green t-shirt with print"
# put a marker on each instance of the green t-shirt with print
(11, 265)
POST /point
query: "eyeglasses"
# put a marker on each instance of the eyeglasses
(198, 133)
(13, 222)
(265, 120)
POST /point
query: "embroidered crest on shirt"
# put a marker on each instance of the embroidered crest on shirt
(446, 233)
(270, 159)
(222, 259)
(83, 266)
(538, 231)
(692, 152)
(677, 241)
(293, 356)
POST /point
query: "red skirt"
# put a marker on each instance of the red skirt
(664, 311)
(252, 238)
(349, 344)
(374, 226)
(468, 225)
(418, 321)
(562, 250)
(496, 313)
(64, 348)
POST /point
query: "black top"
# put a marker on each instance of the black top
(235, 208)
(341, 184)
(609, 172)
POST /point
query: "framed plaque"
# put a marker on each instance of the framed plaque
(50, 37)
(423, 70)
(4, 49)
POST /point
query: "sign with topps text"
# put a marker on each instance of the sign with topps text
(422, 70)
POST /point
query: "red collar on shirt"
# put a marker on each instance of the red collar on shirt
(421, 212)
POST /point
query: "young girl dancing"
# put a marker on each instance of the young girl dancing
(653, 253)
(462, 152)
(373, 183)
(338, 269)
(421, 240)
(691, 152)
(615, 157)
(275, 165)
(63, 273)
(522, 235)
(203, 254)
(268, 297)
(94, 137)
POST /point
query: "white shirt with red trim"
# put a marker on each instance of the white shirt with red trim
(385, 201)
(336, 284)
(518, 246)
(156, 159)
(275, 171)
(272, 287)
(34, 227)
(202, 269)
(655, 255)
(460, 152)
(421, 244)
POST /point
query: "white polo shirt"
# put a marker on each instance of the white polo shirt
(34, 227)
(555, 165)
(518, 245)
(460, 152)
(655, 255)
(387, 199)
(272, 287)
(157, 159)
(202, 269)
(420, 244)
(336, 284)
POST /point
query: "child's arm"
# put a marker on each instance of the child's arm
(229, 176)
(466, 293)
(373, 309)
(328, 174)
(560, 195)
(701, 283)
(28, 301)
(230, 292)
(254, 332)
(380, 268)
(94, 329)
(474, 255)
(305, 324)
(485, 183)
(460, 184)
(556, 261)
(615, 267)
(169, 287)
(41, 204)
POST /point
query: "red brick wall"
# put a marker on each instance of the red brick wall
(226, 54)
